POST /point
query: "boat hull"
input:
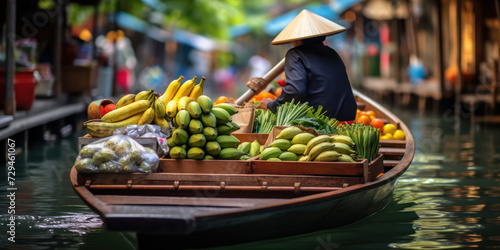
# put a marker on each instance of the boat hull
(278, 222)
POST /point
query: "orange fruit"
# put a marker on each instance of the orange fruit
(387, 137)
(399, 135)
(266, 94)
(231, 100)
(377, 123)
(370, 113)
(221, 99)
(364, 119)
(278, 91)
(389, 129)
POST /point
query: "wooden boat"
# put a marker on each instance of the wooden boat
(208, 209)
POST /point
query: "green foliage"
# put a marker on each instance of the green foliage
(212, 18)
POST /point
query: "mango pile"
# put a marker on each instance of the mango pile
(202, 131)
(292, 144)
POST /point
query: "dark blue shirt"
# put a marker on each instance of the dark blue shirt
(315, 73)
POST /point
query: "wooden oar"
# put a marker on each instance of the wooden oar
(269, 77)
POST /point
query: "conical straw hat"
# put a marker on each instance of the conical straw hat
(307, 25)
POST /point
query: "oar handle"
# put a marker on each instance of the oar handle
(269, 77)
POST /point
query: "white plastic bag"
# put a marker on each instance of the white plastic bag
(116, 154)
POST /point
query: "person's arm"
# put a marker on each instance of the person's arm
(296, 82)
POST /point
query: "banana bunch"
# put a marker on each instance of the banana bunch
(292, 144)
(143, 108)
(202, 131)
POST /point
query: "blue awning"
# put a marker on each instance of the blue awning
(194, 40)
(276, 25)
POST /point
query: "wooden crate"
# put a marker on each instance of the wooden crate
(249, 137)
(204, 166)
(355, 173)
(150, 142)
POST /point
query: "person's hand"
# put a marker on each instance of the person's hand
(263, 103)
(256, 84)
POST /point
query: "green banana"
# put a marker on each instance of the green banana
(177, 153)
(194, 109)
(195, 153)
(227, 141)
(289, 133)
(282, 144)
(197, 140)
(343, 139)
(312, 143)
(182, 119)
(345, 158)
(288, 156)
(213, 148)
(245, 147)
(231, 110)
(320, 148)
(221, 115)
(343, 148)
(210, 133)
(206, 103)
(297, 149)
(254, 148)
(209, 120)
(302, 138)
(195, 126)
(328, 156)
(230, 154)
(180, 136)
(271, 152)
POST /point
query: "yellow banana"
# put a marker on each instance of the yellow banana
(127, 111)
(183, 102)
(185, 89)
(160, 121)
(197, 90)
(105, 129)
(144, 95)
(171, 90)
(160, 109)
(125, 100)
(147, 117)
(171, 109)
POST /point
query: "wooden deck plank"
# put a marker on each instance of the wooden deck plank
(390, 163)
(392, 151)
(185, 201)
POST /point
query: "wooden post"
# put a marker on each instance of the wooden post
(494, 87)
(57, 88)
(458, 87)
(439, 46)
(10, 102)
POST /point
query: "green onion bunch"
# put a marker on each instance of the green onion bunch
(289, 112)
(366, 139)
(264, 121)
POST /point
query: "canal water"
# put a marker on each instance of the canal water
(448, 199)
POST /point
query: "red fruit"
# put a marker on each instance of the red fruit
(109, 108)
(102, 111)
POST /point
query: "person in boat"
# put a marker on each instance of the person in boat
(315, 73)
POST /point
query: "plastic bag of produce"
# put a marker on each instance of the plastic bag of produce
(148, 130)
(116, 154)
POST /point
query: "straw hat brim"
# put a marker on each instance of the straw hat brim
(307, 25)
